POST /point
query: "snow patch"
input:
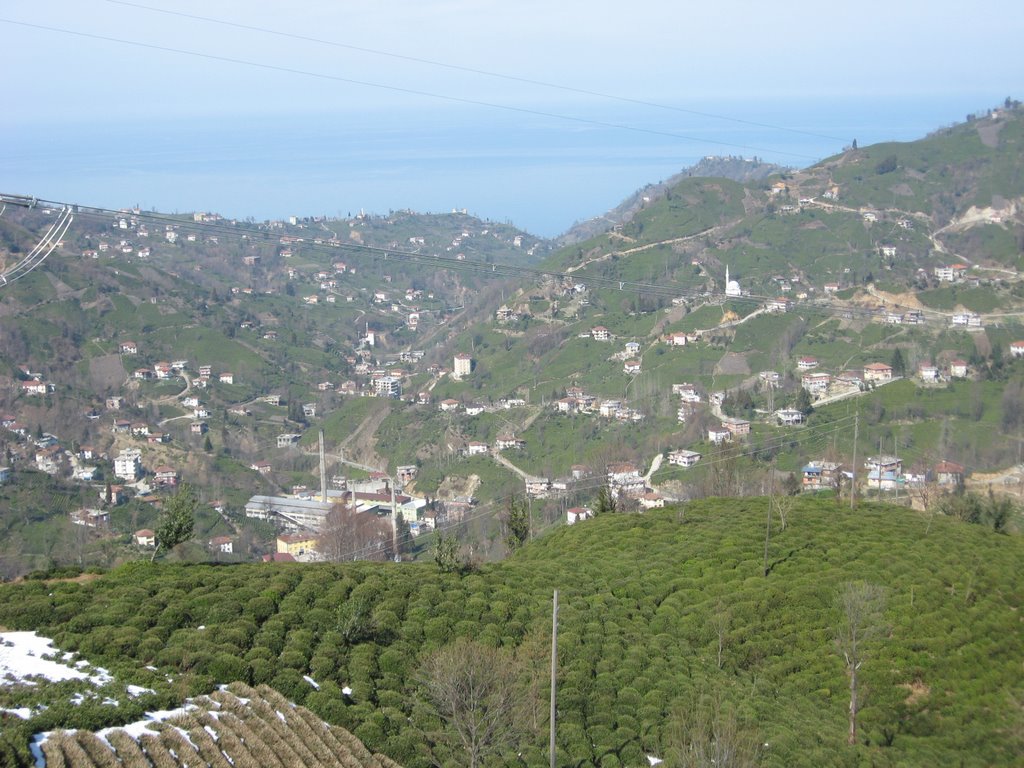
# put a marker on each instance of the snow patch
(36, 748)
(24, 655)
(347, 691)
(654, 760)
(311, 681)
(137, 690)
(23, 712)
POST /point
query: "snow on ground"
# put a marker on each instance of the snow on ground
(23, 712)
(21, 658)
(311, 681)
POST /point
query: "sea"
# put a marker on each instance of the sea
(539, 167)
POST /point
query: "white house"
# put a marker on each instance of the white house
(683, 458)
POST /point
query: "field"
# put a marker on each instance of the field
(641, 597)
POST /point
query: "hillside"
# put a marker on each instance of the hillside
(877, 294)
(660, 613)
(733, 168)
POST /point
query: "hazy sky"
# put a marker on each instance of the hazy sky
(783, 65)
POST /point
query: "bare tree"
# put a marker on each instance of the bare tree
(350, 535)
(861, 606)
(708, 734)
(472, 689)
(720, 621)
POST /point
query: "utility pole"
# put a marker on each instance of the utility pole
(554, 672)
(323, 469)
(853, 480)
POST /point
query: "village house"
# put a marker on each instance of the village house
(287, 439)
(928, 373)
(877, 372)
(683, 458)
(884, 472)
(198, 427)
(567, 405)
(958, 369)
(807, 363)
(676, 339)
(737, 427)
(652, 500)
(781, 304)
(949, 473)
(1017, 348)
(476, 448)
(129, 348)
(449, 405)
(538, 487)
(631, 366)
(820, 475)
(624, 479)
(263, 467)
(474, 409)
(222, 545)
(951, 273)
(146, 538)
(789, 417)
(718, 435)
(577, 514)
(816, 383)
(600, 333)
(165, 476)
(227, 378)
(505, 442)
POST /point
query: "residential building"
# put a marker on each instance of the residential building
(877, 372)
(789, 417)
(600, 333)
(821, 475)
(578, 514)
(737, 427)
(949, 473)
(683, 458)
(463, 366)
(287, 439)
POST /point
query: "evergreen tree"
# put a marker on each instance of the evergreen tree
(177, 520)
(899, 366)
(605, 501)
(517, 518)
(446, 553)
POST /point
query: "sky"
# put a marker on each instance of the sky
(538, 113)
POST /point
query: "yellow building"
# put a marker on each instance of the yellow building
(296, 544)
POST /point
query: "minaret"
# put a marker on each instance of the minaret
(727, 277)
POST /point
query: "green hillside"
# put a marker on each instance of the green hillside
(660, 614)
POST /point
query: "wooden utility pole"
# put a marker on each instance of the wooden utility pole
(554, 673)
(853, 479)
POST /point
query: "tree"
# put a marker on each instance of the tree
(446, 553)
(861, 607)
(707, 734)
(517, 519)
(176, 521)
(605, 501)
(899, 366)
(350, 535)
(803, 402)
(471, 688)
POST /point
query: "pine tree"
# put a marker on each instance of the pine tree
(605, 501)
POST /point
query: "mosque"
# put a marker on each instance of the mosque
(732, 287)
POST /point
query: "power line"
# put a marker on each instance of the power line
(471, 70)
(400, 89)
